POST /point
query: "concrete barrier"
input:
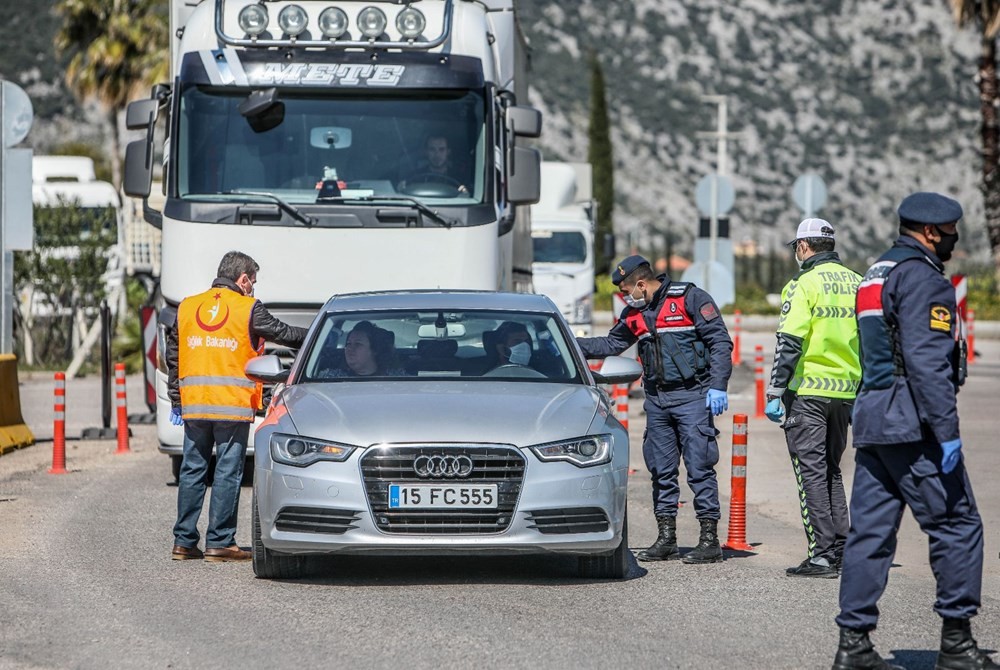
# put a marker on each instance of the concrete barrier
(14, 433)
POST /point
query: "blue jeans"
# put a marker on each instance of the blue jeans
(230, 440)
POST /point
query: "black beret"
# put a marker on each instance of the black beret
(626, 267)
(931, 209)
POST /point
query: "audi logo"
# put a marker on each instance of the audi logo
(439, 466)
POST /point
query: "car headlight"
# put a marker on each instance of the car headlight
(303, 451)
(582, 451)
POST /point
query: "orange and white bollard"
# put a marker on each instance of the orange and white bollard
(621, 403)
(737, 539)
(758, 376)
(123, 447)
(59, 427)
(737, 332)
(970, 325)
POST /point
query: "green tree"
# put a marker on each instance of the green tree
(117, 50)
(600, 156)
(984, 15)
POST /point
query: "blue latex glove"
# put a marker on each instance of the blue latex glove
(175, 416)
(951, 450)
(718, 401)
(774, 410)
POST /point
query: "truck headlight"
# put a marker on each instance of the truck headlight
(371, 22)
(303, 451)
(410, 23)
(293, 20)
(253, 19)
(582, 451)
(333, 22)
(581, 310)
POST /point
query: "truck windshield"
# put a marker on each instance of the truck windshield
(559, 247)
(426, 145)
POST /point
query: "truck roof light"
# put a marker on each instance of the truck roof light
(371, 22)
(333, 22)
(253, 19)
(410, 23)
(293, 20)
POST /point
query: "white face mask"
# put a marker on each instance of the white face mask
(633, 302)
(797, 259)
(520, 354)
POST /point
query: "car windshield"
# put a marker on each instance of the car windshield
(445, 344)
(559, 247)
(426, 145)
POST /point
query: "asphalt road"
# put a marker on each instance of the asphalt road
(86, 580)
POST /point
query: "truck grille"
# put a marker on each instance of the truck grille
(568, 520)
(316, 520)
(503, 466)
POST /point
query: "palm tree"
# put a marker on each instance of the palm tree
(985, 16)
(118, 49)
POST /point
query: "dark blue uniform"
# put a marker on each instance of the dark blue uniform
(690, 353)
(911, 358)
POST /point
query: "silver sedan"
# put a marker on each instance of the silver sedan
(440, 422)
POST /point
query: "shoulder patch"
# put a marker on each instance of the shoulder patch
(786, 307)
(709, 312)
(678, 288)
(940, 318)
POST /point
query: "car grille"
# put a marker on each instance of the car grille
(503, 466)
(316, 520)
(568, 520)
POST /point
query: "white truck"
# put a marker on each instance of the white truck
(346, 146)
(562, 233)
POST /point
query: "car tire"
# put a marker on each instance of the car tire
(613, 565)
(269, 564)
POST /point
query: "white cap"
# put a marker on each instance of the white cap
(813, 228)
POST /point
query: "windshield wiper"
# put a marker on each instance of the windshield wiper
(295, 213)
(417, 205)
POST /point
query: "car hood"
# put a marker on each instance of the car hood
(366, 413)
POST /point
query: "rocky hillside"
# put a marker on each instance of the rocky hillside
(876, 96)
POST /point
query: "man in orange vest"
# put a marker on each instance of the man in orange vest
(215, 334)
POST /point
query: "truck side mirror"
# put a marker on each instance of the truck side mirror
(524, 121)
(524, 176)
(141, 114)
(138, 167)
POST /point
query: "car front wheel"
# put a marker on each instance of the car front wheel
(269, 564)
(607, 566)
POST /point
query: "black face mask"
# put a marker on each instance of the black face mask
(947, 244)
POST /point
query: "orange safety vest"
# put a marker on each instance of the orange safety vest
(214, 345)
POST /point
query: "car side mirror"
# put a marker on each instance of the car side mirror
(266, 370)
(618, 370)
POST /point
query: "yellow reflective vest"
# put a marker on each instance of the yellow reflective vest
(214, 344)
(817, 308)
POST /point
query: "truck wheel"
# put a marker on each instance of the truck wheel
(175, 467)
(607, 566)
(269, 564)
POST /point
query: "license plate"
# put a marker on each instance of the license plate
(452, 496)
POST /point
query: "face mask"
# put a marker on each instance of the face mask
(797, 259)
(635, 303)
(947, 244)
(520, 354)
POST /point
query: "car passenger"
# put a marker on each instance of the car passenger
(368, 352)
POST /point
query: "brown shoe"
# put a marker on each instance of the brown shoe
(224, 554)
(186, 553)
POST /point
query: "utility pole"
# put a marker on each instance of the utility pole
(721, 133)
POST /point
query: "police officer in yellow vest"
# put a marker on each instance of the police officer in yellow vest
(816, 374)
(215, 334)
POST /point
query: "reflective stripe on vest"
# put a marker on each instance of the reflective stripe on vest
(213, 347)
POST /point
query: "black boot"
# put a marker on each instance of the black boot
(708, 549)
(665, 547)
(959, 650)
(856, 652)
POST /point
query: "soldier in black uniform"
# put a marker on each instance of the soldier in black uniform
(686, 354)
(907, 439)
